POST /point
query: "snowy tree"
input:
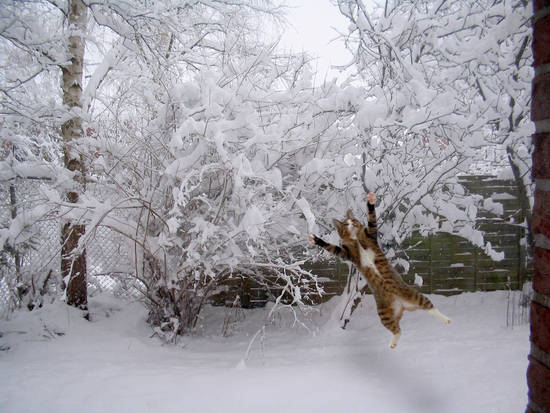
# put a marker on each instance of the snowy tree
(503, 76)
(42, 43)
(73, 255)
(435, 97)
(213, 153)
(31, 51)
(198, 130)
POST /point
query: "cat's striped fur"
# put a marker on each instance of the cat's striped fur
(392, 295)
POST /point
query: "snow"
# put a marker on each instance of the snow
(490, 205)
(237, 147)
(502, 196)
(54, 360)
(349, 159)
(252, 221)
(310, 217)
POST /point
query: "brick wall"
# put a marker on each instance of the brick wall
(538, 372)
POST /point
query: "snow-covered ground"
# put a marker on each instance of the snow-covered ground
(52, 360)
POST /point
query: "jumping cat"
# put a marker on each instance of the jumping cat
(392, 295)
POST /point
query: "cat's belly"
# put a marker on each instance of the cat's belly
(367, 257)
(400, 304)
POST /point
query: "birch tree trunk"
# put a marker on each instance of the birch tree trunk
(73, 256)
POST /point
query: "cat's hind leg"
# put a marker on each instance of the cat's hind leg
(395, 338)
(390, 318)
(425, 304)
(435, 312)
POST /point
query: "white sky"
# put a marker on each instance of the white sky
(312, 30)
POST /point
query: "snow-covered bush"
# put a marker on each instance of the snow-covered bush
(214, 155)
(198, 164)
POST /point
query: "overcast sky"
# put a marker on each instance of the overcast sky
(312, 23)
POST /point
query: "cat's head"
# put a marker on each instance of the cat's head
(349, 228)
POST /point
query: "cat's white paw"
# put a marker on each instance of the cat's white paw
(435, 312)
(371, 198)
(311, 239)
(394, 340)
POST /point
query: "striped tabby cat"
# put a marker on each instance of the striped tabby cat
(392, 295)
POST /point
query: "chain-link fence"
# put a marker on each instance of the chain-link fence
(34, 245)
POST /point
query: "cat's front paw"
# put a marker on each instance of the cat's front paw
(371, 198)
(315, 240)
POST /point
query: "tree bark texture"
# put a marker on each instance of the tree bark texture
(523, 197)
(73, 256)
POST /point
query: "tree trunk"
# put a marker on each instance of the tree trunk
(73, 256)
(523, 197)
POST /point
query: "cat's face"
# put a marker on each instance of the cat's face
(349, 228)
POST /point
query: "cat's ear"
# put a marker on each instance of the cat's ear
(337, 224)
(349, 214)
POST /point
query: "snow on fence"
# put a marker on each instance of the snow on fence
(106, 254)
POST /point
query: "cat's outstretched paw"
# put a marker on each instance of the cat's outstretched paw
(371, 198)
(315, 240)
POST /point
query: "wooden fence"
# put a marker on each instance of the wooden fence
(449, 264)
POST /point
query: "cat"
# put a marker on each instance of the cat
(392, 295)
